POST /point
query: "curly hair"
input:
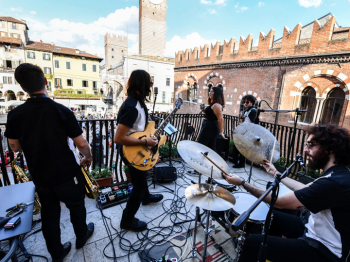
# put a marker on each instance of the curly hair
(249, 98)
(332, 139)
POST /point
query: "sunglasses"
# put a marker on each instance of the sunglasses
(246, 102)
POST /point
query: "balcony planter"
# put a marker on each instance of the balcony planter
(103, 177)
(305, 179)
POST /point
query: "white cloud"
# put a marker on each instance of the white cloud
(16, 9)
(212, 11)
(87, 37)
(32, 12)
(205, 2)
(221, 2)
(236, 6)
(310, 3)
(261, 4)
(193, 40)
(243, 8)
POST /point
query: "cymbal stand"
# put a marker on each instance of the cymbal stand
(194, 251)
(207, 230)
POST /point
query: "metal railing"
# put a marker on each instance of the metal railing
(100, 133)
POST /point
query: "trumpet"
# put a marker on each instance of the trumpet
(91, 185)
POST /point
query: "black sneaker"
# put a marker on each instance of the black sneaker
(238, 165)
(133, 225)
(152, 199)
(66, 248)
(80, 243)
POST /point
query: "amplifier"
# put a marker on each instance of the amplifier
(222, 147)
(165, 174)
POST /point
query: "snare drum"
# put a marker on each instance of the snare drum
(256, 221)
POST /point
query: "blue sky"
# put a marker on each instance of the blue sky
(190, 23)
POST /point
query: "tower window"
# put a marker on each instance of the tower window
(112, 56)
(112, 49)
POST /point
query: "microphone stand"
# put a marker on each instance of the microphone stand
(155, 99)
(240, 221)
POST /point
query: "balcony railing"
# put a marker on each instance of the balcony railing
(103, 155)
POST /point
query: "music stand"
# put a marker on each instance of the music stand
(169, 129)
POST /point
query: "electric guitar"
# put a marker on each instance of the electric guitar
(144, 157)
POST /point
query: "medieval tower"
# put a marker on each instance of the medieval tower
(115, 46)
(152, 27)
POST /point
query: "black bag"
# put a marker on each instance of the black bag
(165, 174)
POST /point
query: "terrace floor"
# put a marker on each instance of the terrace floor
(157, 215)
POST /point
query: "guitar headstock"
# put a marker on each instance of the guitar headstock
(178, 103)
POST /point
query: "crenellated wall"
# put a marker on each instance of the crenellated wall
(324, 39)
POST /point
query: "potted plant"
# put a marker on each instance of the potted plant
(164, 150)
(280, 164)
(103, 177)
(127, 172)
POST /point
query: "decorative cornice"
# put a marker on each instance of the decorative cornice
(333, 58)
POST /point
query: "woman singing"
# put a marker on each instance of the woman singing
(213, 124)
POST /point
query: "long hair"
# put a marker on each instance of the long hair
(218, 96)
(332, 139)
(139, 84)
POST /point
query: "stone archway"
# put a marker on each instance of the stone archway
(248, 93)
(10, 95)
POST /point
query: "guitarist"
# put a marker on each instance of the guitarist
(132, 117)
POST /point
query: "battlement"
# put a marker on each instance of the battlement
(114, 38)
(321, 36)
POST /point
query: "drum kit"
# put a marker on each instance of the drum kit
(217, 197)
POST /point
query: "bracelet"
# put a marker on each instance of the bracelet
(146, 142)
(243, 182)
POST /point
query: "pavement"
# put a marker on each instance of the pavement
(159, 216)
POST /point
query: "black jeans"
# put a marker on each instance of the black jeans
(72, 195)
(287, 249)
(209, 133)
(139, 192)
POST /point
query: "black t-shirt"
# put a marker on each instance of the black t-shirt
(42, 127)
(328, 200)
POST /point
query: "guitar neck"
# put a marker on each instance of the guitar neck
(165, 122)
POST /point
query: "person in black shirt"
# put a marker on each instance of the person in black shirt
(42, 128)
(132, 117)
(213, 123)
(249, 115)
(323, 233)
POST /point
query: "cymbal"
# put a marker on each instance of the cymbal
(256, 143)
(219, 199)
(191, 153)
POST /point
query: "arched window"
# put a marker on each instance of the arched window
(333, 106)
(188, 91)
(209, 88)
(308, 103)
(194, 94)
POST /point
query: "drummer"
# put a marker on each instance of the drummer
(323, 232)
(249, 115)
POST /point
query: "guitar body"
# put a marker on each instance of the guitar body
(143, 157)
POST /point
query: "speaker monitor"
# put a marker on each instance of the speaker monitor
(222, 147)
(165, 174)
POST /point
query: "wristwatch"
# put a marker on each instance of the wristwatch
(243, 182)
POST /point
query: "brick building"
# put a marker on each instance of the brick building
(308, 68)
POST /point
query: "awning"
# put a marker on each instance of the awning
(12, 103)
(78, 103)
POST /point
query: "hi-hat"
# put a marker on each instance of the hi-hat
(191, 153)
(218, 199)
(256, 143)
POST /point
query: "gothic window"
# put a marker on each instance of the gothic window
(188, 91)
(333, 106)
(194, 92)
(308, 103)
(112, 49)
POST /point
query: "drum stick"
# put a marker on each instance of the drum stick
(273, 150)
(214, 164)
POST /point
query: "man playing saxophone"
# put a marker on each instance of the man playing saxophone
(41, 128)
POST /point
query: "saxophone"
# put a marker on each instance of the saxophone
(22, 178)
(91, 185)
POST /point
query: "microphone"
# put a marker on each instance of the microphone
(156, 90)
(301, 161)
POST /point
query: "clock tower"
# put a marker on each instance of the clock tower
(152, 27)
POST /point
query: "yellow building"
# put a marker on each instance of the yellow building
(68, 71)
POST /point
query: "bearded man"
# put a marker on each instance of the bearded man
(323, 232)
